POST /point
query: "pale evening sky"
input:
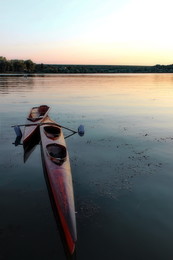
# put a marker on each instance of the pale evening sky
(118, 32)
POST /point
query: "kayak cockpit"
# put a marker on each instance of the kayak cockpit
(38, 113)
(52, 132)
(57, 153)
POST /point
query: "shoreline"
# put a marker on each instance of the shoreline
(25, 75)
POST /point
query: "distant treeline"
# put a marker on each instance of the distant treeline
(16, 66)
(28, 66)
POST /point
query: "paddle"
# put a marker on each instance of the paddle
(19, 133)
(81, 130)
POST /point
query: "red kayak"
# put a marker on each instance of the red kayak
(36, 116)
(57, 166)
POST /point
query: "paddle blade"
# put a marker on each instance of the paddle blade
(18, 131)
(17, 141)
(81, 130)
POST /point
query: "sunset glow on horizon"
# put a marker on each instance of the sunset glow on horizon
(127, 32)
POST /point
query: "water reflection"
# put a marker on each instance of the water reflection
(30, 146)
(17, 141)
(11, 84)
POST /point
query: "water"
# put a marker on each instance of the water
(121, 168)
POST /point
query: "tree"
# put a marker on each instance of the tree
(18, 65)
(30, 66)
(3, 64)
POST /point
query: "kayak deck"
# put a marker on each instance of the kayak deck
(38, 113)
(57, 165)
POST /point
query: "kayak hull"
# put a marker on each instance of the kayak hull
(58, 173)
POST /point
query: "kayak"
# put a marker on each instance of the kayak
(57, 167)
(36, 116)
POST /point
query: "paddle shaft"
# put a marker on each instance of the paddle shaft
(46, 124)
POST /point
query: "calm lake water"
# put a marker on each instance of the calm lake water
(122, 168)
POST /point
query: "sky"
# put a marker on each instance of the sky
(109, 32)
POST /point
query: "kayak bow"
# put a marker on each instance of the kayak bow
(36, 116)
(57, 165)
